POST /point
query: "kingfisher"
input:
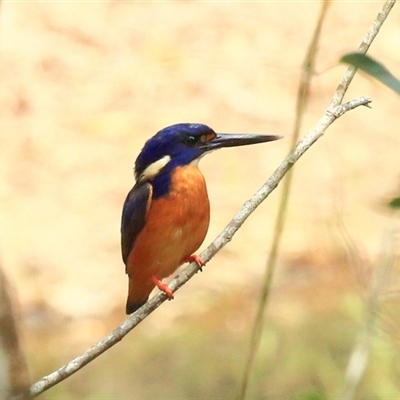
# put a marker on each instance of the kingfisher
(166, 214)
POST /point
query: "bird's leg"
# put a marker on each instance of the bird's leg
(163, 287)
(196, 259)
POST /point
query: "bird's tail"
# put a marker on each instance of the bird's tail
(138, 295)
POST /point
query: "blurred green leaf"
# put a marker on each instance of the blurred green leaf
(394, 203)
(311, 395)
(373, 68)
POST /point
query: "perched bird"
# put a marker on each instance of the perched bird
(166, 215)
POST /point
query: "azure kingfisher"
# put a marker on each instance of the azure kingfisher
(166, 215)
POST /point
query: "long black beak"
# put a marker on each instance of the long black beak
(233, 140)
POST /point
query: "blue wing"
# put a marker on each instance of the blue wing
(134, 213)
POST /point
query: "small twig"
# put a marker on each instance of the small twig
(338, 111)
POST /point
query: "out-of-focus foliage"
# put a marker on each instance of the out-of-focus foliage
(378, 71)
(373, 68)
(394, 203)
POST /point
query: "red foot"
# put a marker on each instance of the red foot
(196, 259)
(163, 287)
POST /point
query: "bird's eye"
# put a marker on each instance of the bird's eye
(191, 140)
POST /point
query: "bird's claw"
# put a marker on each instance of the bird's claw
(195, 258)
(163, 287)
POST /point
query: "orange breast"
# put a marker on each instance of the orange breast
(175, 227)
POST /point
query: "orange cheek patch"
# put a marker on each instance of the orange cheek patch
(207, 138)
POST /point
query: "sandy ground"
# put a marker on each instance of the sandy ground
(84, 85)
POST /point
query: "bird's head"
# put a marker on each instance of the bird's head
(181, 144)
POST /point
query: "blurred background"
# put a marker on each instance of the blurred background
(85, 85)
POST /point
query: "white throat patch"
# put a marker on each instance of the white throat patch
(153, 169)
